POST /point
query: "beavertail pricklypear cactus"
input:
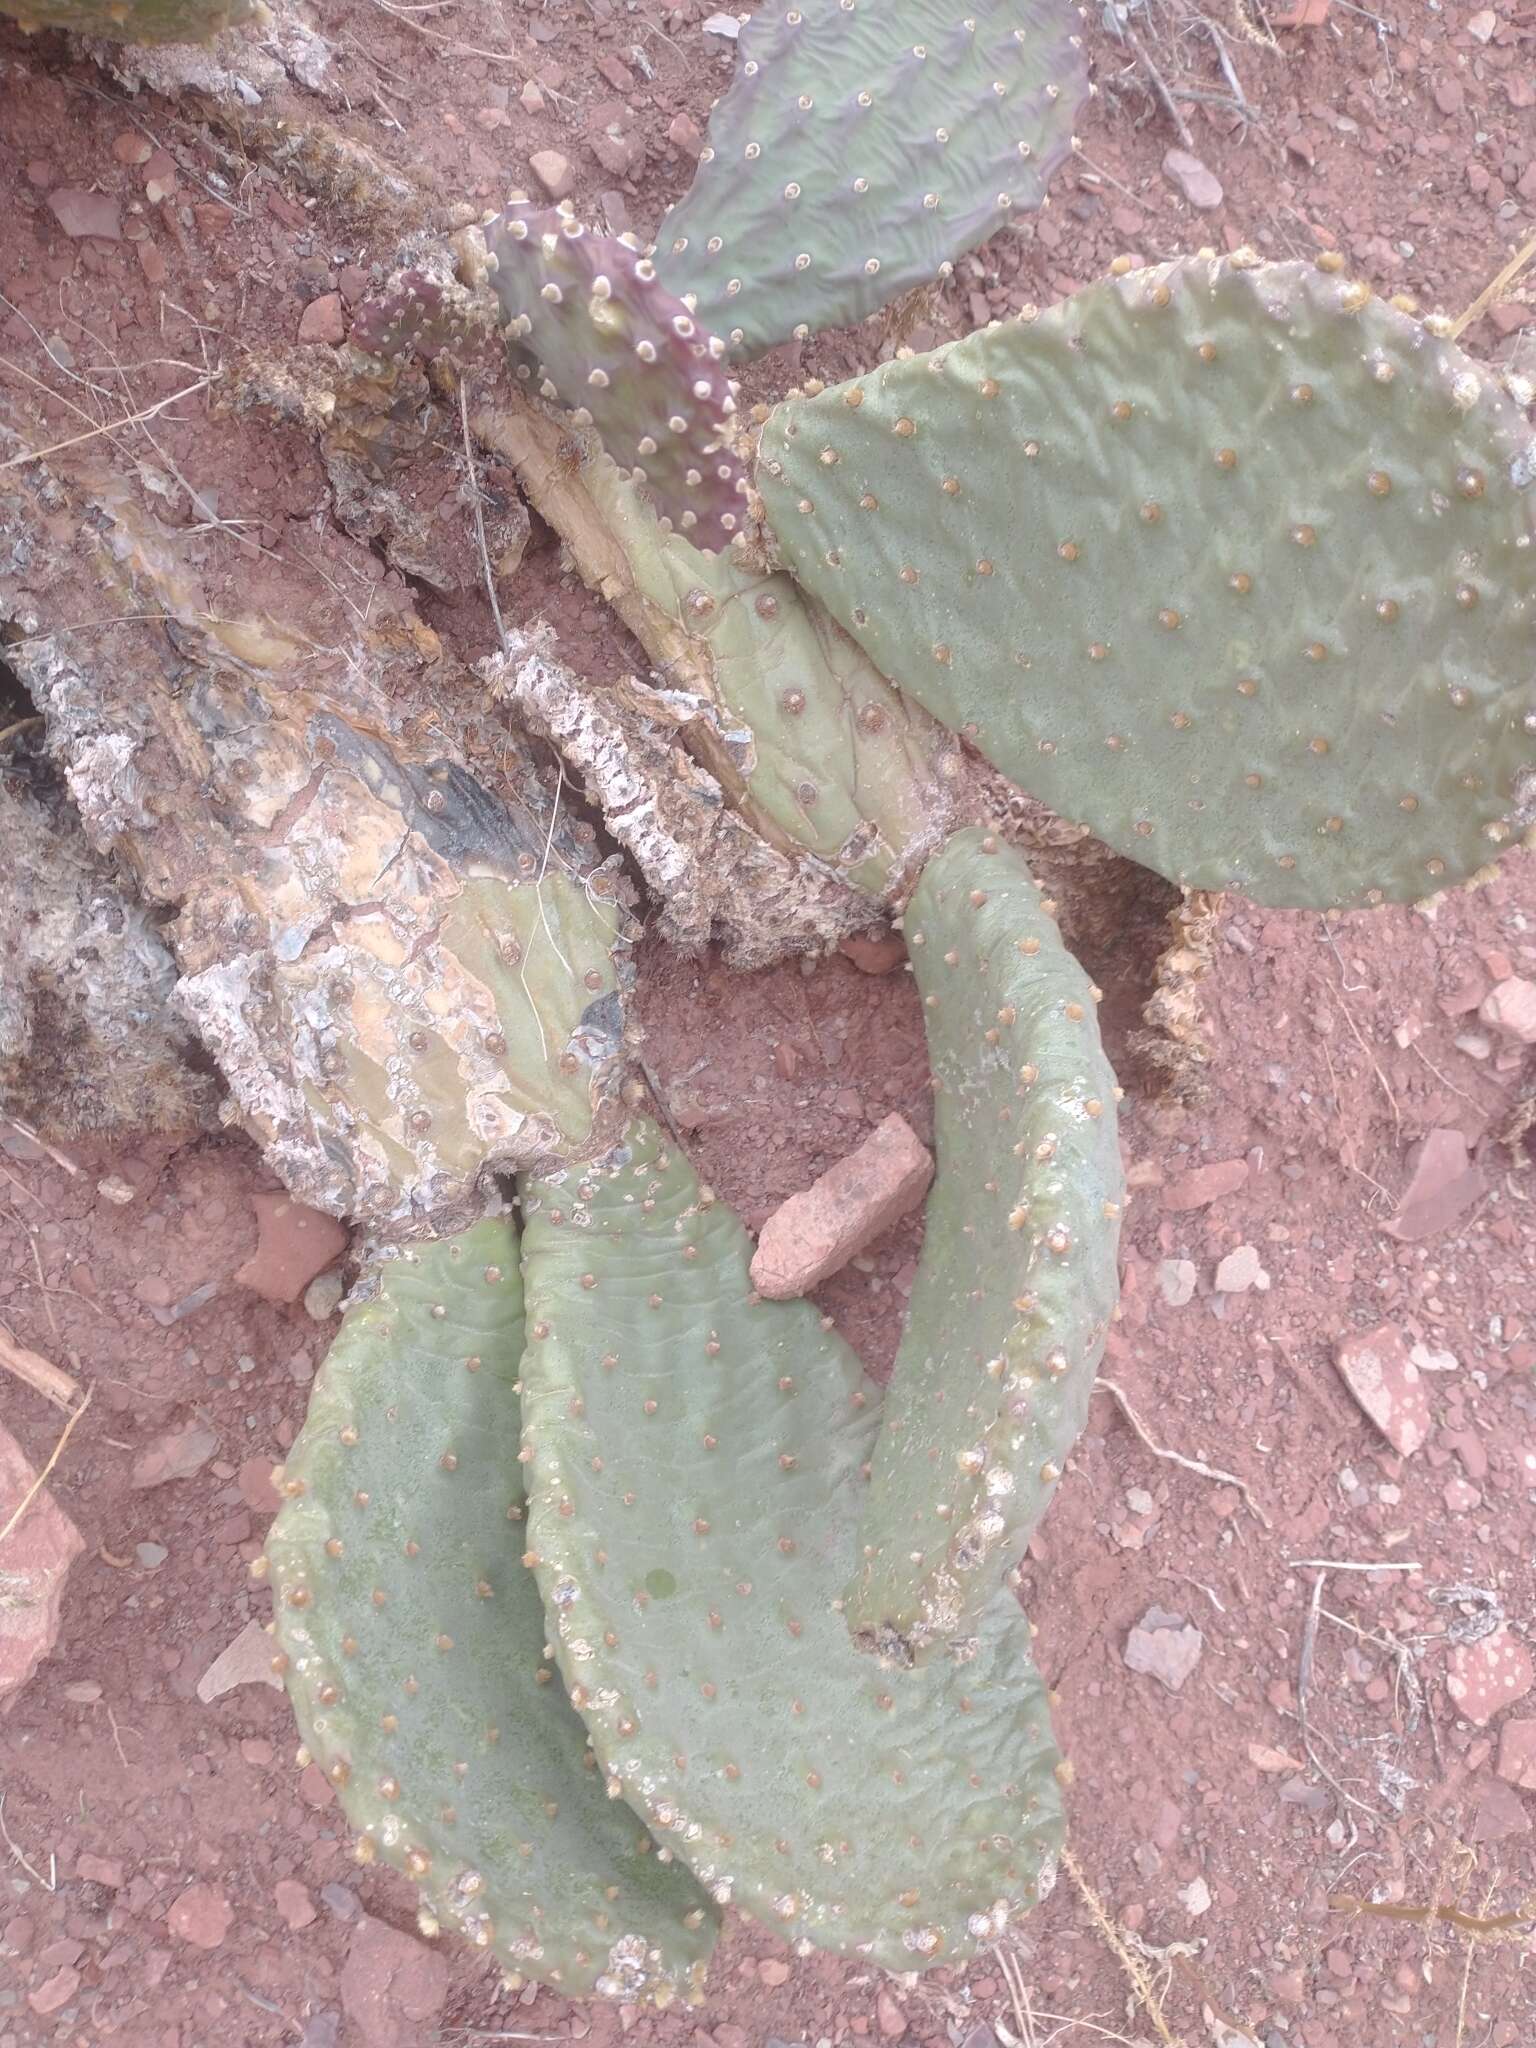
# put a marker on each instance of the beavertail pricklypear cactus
(133, 21)
(1228, 560)
(693, 1459)
(1018, 1279)
(411, 1639)
(862, 148)
(589, 324)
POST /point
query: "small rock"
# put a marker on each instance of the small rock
(1498, 1813)
(1433, 1361)
(103, 1870)
(322, 1297)
(1486, 1677)
(254, 1480)
(531, 98)
(323, 2030)
(315, 1788)
(873, 953)
(1510, 1007)
(114, 1189)
(324, 321)
(245, 1661)
(1240, 1270)
(1176, 1280)
(87, 213)
(1444, 1183)
(177, 1455)
(1376, 1367)
(1199, 184)
(1450, 95)
(59, 1990)
(1165, 1647)
(1195, 1898)
(1517, 1754)
(889, 2017)
(341, 1901)
(1205, 1184)
(1459, 1497)
(294, 1903)
(1482, 25)
(257, 1751)
(684, 134)
(553, 172)
(200, 1916)
(818, 1231)
(293, 1244)
(34, 1562)
(773, 1971)
(151, 1555)
(392, 1987)
(1266, 1759)
(132, 148)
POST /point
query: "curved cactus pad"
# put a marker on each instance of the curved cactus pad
(1229, 561)
(414, 1642)
(693, 1486)
(1017, 1280)
(861, 149)
(132, 21)
(590, 325)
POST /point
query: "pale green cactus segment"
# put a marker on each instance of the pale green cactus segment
(694, 1458)
(1017, 1281)
(413, 1638)
(1227, 560)
(133, 21)
(820, 752)
(862, 148)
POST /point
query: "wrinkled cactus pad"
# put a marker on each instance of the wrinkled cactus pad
(693, 1460)
(1018, 1278)
(590, 325)
(412, 1641)
(1227, 560)
(133, 21)
(861, 149)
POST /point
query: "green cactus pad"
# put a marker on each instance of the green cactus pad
(590, 325)
(133, 21)
(1017, 1281)
(414, 1642)
(861, 149)
(1229, 561)
(693, 1485)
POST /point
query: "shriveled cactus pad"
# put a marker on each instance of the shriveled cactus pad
(590, 324)
(414, 1642)
(861, 149)
(1229, 561)
(694, 1489)
(133, 21)
(1017, 1280)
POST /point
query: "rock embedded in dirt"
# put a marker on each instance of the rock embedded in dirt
(1484, 1678)
(1199, 184)
(1176, 1280)
(889, 2017)
(87, 213)
(1517, 1754)
(1510, 1007)
(245, 1661)
(1241, 1270)
(254, 1479)
(1445, 1183)
(34, 1562)
(59, 1989)
(553, 172)
(819, 1230)
(293, 1903)
(873, 953)
(324, 321)
(200, 1916)
(1205, 1184)
(322, 1297)
(293, 1244)
(178, 1454)
(1376, 1367)
(392, 1987)
(1165, 1647)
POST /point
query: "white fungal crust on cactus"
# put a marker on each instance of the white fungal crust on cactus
(410, 1636)
(693, 1456)
(1018, 1276)
(861, 150)
(1265, 618)
(589, 326)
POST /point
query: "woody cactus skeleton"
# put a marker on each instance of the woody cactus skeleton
(1226, 560)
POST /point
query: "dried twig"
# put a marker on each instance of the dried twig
(49, 1883)
(1160, 86)
(39, 1373)
(19, 1123)
(1142, 1988)
(148, 412)
(1195, 1465)
(1491, 292)
(477, 505)
(38, 1483)
(1303, 1690)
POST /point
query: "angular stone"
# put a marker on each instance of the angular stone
(553, 172)
(392, 1988)
(873, 954)
(1484, 1678)
(1165, 1647)
(1444, 1184)
(200, 1916)
(1176, 1280)
(87, 213)
(1375, 1366)
(1205, 1184)
(58, 1991)
(177, 1455)
(817, 1232)
(324, 320)
(1510, 1007)
(34, 1562)
(294, 1904)
(1517, 1754)
(1240, 1270)
(293, 1244)
(245, 1661)
(1199, 184)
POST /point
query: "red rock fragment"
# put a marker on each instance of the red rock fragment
(1205, 1184)
(1375, 1366)
(392, 1988)
(200, 1916)
(818, 1231)
(254, 1480)
(86, 213)
(873, 953)
(1510, 1007)
(293, 1244)
(59, 1990)
(1485, 1677)
(1517, 1754)
(1445, 1183)
(294, 1904)
(34, 1562)
(324, 321)
(177, 1455)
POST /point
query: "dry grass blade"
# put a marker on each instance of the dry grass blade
(42, 1478)
(132, 419)
(37, 1372)
(1143, 1990)
(1492, 291)
(1195, 1465)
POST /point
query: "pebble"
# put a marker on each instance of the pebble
(200, 1916)
(87, 213)
(322, 1297)
(1199, 184)
(341, 1901)
(1444, 1184)
(1376, 1367)
(324, 321)
(315, 1788)
(245, 1661)
(34, 1563)
(1484, 1678)
(104, 1870)
(819, 1230)
(1195, 1898)
(132, 148)
(1176, 1280)
(392, 1987)
(1165, 1647)
(293, 1244)
(531, 99)
(1510, 1007)
(553, 172)
(178, 1454)
(151, 1555)
(773, 1971)
(294, 1904)
(1240, 1270)
(1517, 1754)
(684, 134)
(1483, 24)
(889, 2017)
(254, 1479)
(1205, 1184)
(873, 954)
(59, 1990)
